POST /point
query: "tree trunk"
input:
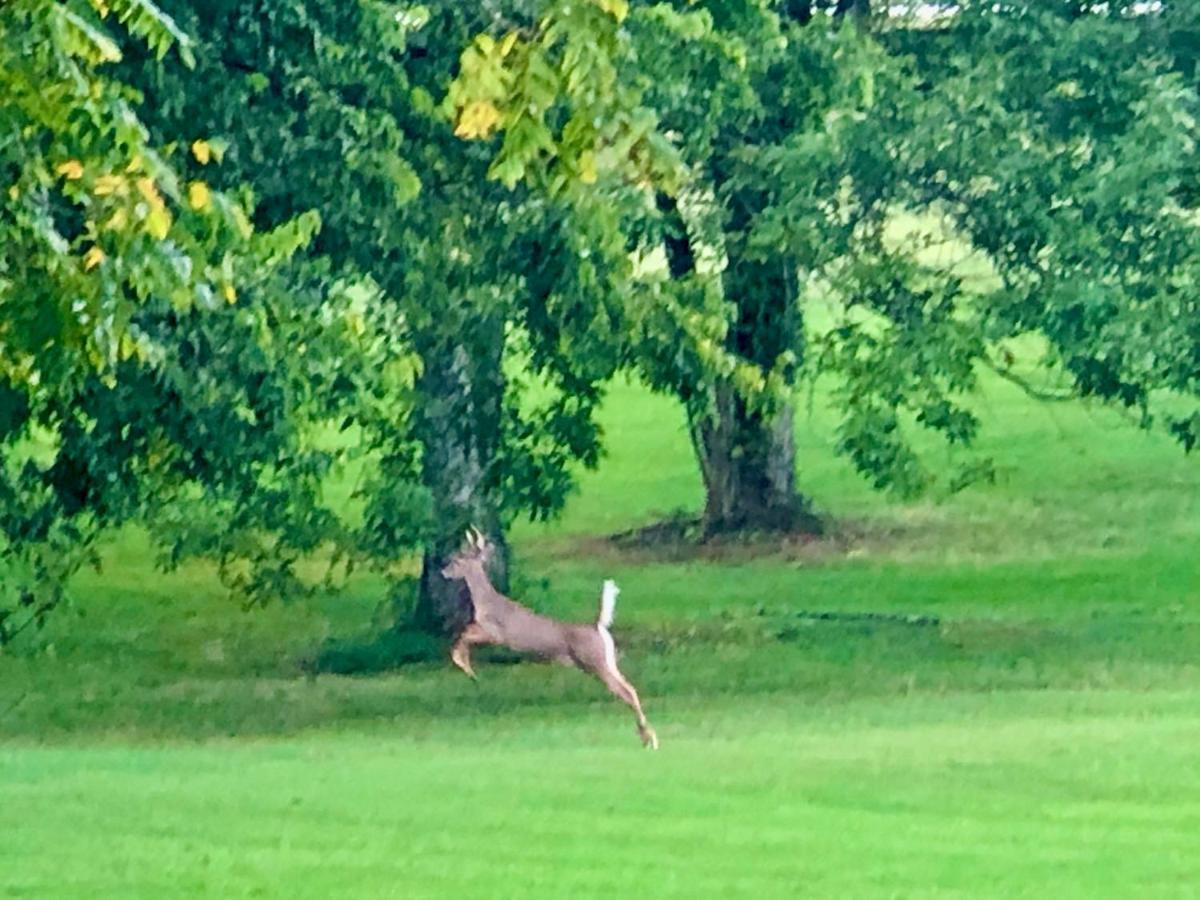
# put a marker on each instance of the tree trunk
(459, 427)
(747, 453)
(748, 464)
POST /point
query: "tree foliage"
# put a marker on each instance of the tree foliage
(350, 110)
(100, 235)
(1055, 145)
(1054, 142)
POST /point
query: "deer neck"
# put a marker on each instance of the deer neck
(480, 586)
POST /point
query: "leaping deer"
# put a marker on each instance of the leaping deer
(500, 620)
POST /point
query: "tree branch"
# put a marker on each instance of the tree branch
(1029, 389)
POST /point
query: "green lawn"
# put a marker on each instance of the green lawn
(1048, 794)
(1034, 733)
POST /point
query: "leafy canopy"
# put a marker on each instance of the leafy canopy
(136, 302)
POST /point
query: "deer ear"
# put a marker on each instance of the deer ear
(478, 539)
(470, 538)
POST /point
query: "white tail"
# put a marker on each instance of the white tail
(608, 604)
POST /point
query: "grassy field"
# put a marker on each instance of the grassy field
(1032, 730)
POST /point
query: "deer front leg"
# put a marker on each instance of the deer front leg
(625, 692)
(460, 653)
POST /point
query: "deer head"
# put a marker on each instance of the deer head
(476, 553)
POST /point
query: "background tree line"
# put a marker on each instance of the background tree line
(246, 243)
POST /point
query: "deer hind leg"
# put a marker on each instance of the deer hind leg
(460, 653)
(624, 691)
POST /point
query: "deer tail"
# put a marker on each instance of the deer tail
(608, 604)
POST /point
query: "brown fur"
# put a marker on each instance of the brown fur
(502, 621)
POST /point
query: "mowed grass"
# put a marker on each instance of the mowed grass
(1042, 794)
(1032, 732)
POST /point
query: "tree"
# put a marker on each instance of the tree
(403, 322)
(100, 239)
(805, 131)
(726, 79)
(334, 107)
(1052, 140)
(624, 90)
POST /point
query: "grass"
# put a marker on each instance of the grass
(1032, 733)
(895, 798)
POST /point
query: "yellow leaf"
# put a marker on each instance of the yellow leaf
(229, 293)
(108, 184)
(245, 229)
(147, 189)
(93, 258)
(508, 43)
(202, 151)
(14, 192)
(618, 9)
(101, 8)
(477, 120)
(72, 169)
(198, 195)
(587, 167)
(117, 220)
(158, 223)
(135, 164)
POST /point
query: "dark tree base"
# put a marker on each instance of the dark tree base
(794, 518)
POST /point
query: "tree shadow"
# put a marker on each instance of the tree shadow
(372, 653)
(390, 649)
(682, 537)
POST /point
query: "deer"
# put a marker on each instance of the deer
(501, 621)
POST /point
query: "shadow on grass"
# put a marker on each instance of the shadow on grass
(402, 681)
(682, 537)
(389, 650)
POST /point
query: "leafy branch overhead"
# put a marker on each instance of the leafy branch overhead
(554, 93)
(804, 135)
(96, 219)
(133, 295)
(508, 361)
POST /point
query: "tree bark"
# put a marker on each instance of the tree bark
(748, 464)
(747, 453)
(459, 426)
